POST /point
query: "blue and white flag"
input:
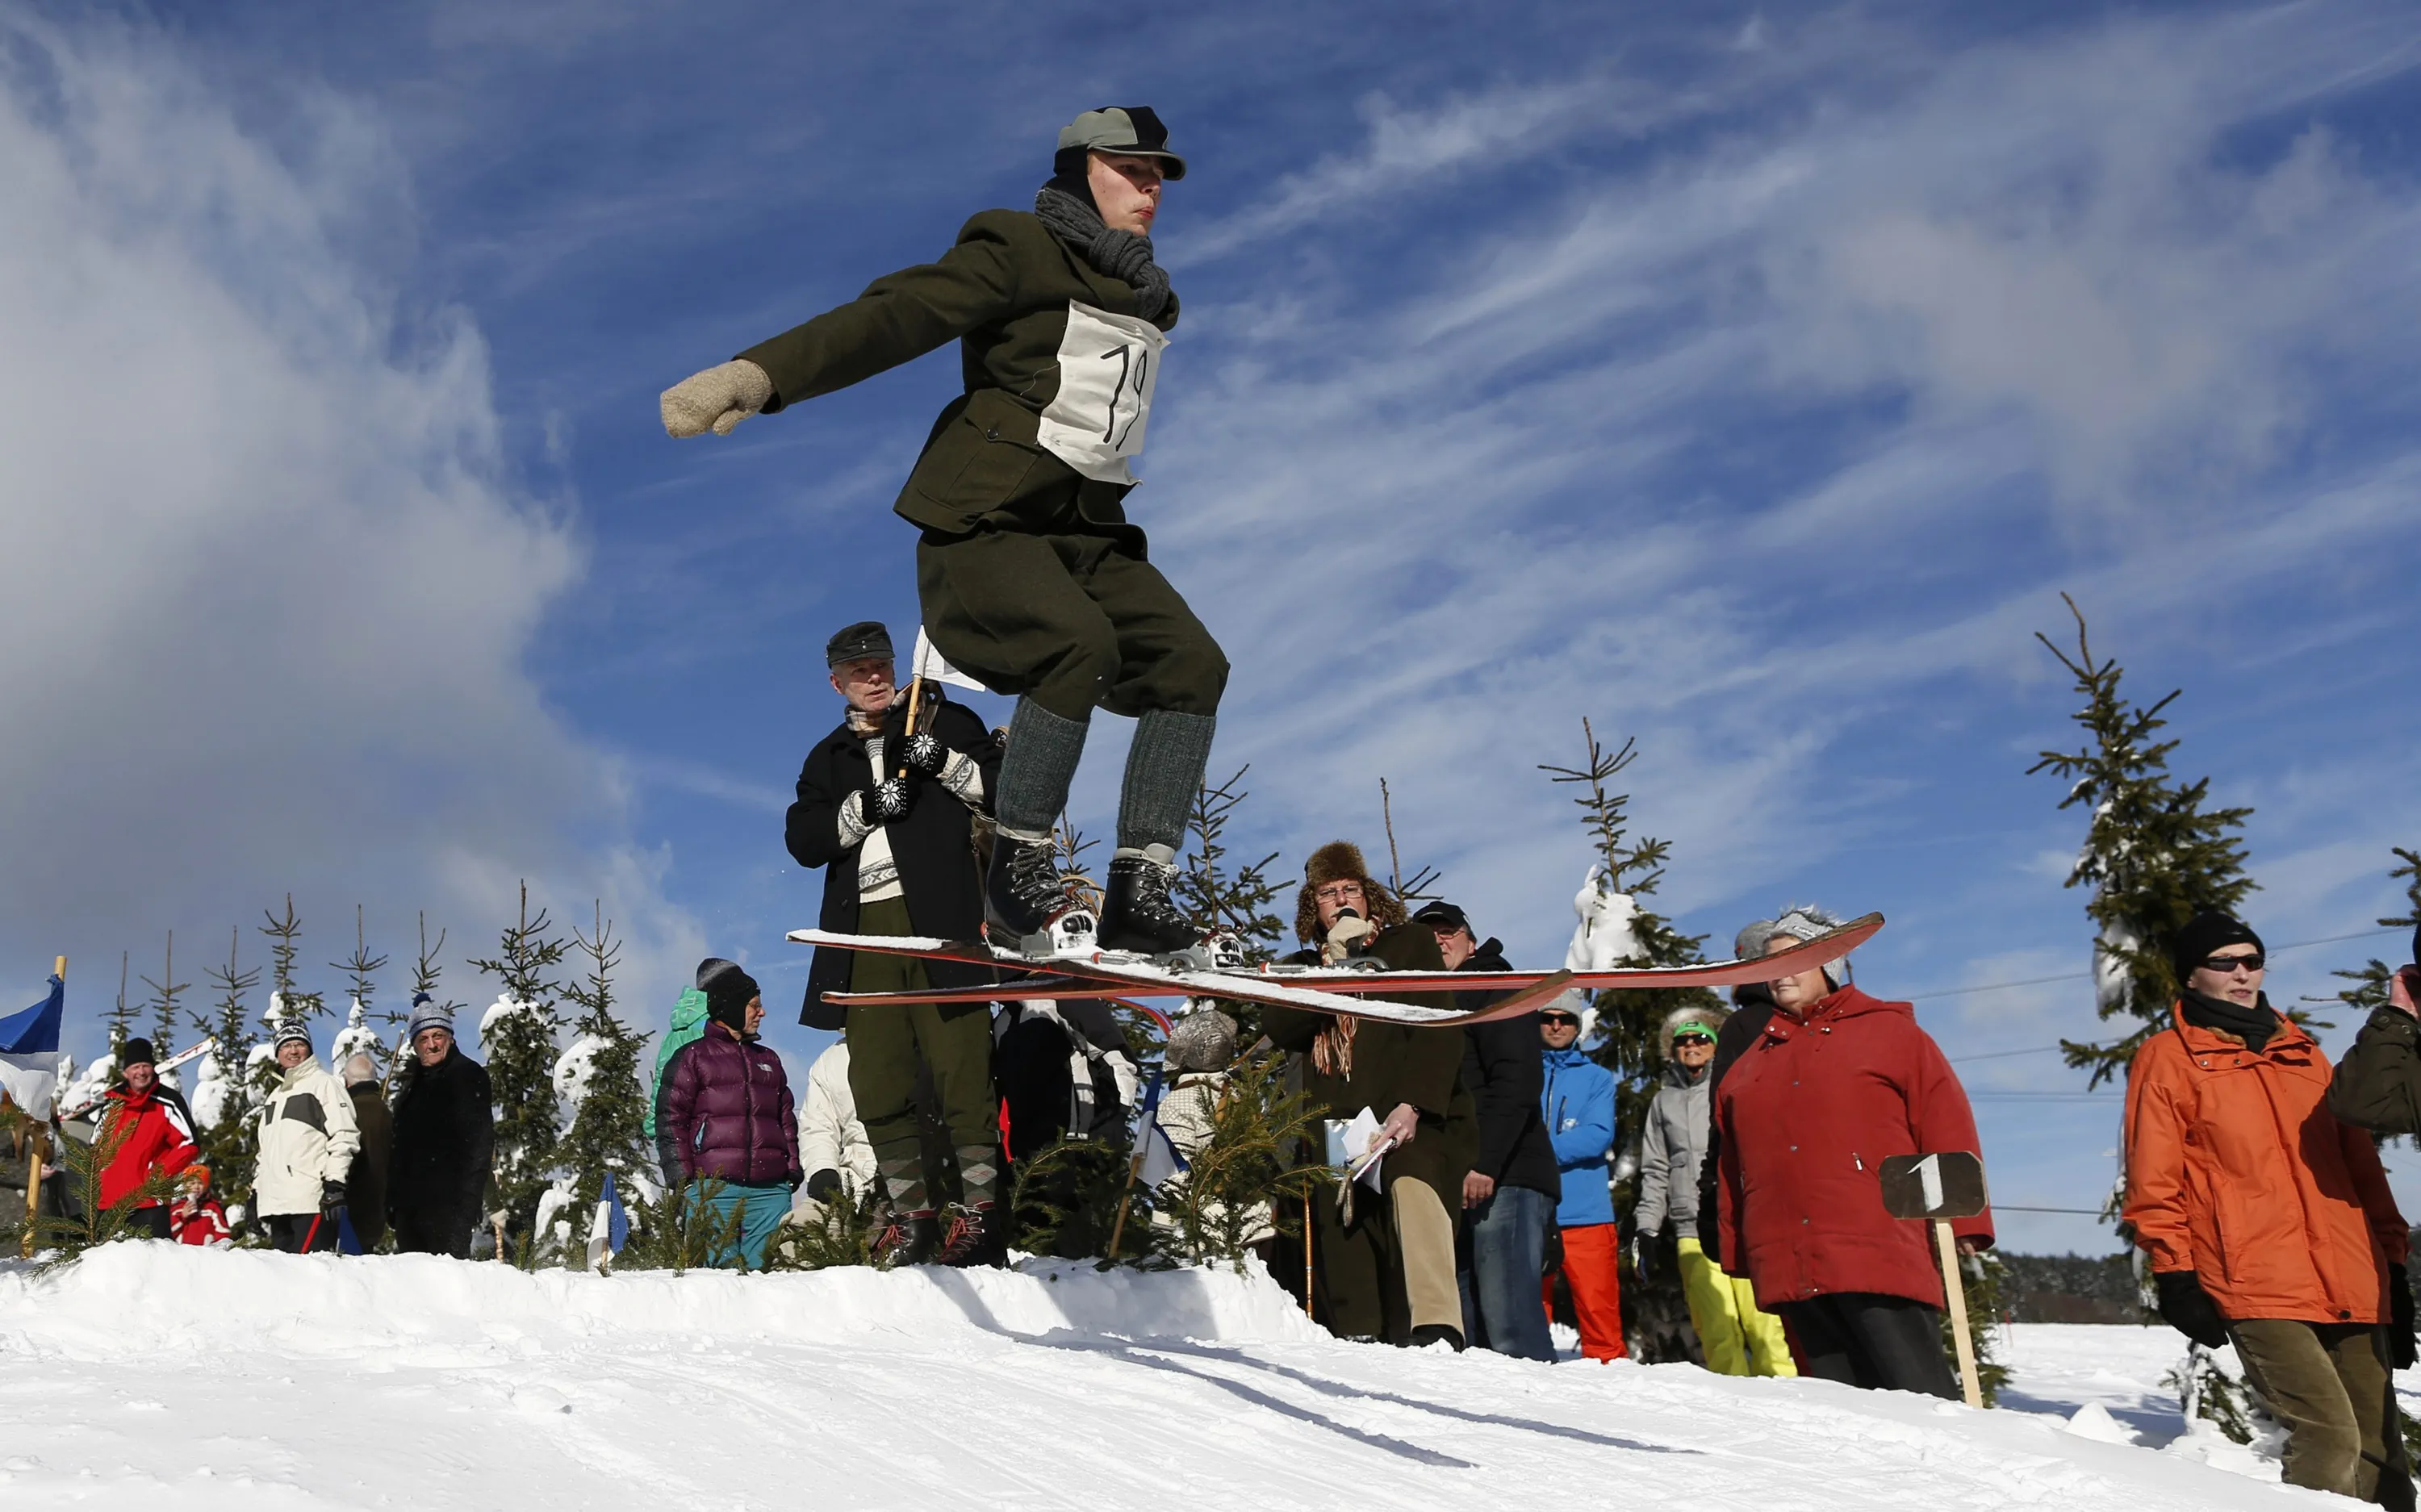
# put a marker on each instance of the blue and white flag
(609, 1227)
(29, 1052)
(1160, 1159)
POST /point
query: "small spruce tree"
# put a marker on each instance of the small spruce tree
(2369, 992)
(2153, 855)
(599, 1074)
(1220, 897)
(287, 999)
(167, 1017)
(121, 1018)
(224, 1097)
(518, 1034)
(1629, 1038)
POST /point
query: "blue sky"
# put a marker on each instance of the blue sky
(1749, 381)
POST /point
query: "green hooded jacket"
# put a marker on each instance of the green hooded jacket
(689, 1023)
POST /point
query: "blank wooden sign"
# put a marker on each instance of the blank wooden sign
(1947, 1185)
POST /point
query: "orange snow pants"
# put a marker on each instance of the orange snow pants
(1593, 1272)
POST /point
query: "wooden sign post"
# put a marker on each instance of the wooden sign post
(1936, 1188)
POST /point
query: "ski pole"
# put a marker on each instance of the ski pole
(1306, 1247)
(915, 691)
(1118, 1225)
(312, 1233)
(1955, 1293)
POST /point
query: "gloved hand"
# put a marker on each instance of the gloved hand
(332, 1196)
(888, 800)
(824, 1185)
(796, 1179)
(924, 754)
(1344, 935)
(2189, 1309)
(2402, 1350)
(715, 399)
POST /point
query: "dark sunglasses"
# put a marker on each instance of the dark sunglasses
(2227, 965)
(1558, 1018)
(1692, 1039)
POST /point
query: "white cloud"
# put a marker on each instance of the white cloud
(271, 585)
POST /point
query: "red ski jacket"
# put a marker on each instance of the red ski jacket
(203, 1223)
(156, 1140)
(1808, 1115)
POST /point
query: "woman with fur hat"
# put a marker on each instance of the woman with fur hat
(1738, 1339)
(307, 1142)
(725, 1115)
(1385, 1269)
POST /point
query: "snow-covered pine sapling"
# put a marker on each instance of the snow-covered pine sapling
(599, 1077)
(518, 1032)
(1628, 1039)
(286, 999)
(225, 1094)
(1220, 898)
(2153, 855)
(89, 1222)
(167, 1017)
(121, 1018)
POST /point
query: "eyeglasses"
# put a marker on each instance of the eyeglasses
(1560, 1020)
(1338, 892)
(2227, 965)
(1692, 1039)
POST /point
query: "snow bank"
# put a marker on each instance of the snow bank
(219, 1300)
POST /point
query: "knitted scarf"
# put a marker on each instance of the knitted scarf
(2254, 1025)
(1121, 255)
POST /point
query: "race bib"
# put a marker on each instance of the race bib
(1108, 366)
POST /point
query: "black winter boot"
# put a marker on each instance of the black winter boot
(907, 1238)
(1429, 1334)
(1023, 895)
(1137, 912)
(971, 1237)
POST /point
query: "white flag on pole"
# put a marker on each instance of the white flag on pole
(928, 664)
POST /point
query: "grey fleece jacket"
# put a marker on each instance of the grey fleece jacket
(1674, 1143)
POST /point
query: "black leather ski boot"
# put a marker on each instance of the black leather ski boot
(1023, 895)
(972, 1237)
(1137, 912)
(907, 1238)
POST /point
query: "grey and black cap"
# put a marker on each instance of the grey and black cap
(859, 641)
(1133, 130)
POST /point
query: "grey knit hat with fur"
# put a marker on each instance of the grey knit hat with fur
(1203, 1040)
(1806, 921)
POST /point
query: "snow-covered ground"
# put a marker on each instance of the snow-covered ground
(220, 1378)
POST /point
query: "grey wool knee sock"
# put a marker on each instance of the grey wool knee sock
(979, 1174)
(901, 1166)
(1035, 770)
(1164, 768)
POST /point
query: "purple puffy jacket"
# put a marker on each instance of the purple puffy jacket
(726, 1111)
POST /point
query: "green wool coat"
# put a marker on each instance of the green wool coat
(1397, 1063)
(1002, 293)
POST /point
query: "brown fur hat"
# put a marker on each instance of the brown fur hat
(1340, 859)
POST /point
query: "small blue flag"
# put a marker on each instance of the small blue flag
(29, 1052)
(609, 1227)
(348, 1243)
(1160, 1159)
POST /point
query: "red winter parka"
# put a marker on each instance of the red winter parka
(1807, 1116)
(726, 1108)
(2237, 1172)
(156, 1139)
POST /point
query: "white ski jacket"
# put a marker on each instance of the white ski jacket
(829, 1136)
(308, 1136)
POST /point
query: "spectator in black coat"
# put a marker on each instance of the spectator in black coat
(1752, 1007)
(366, 1186)
(1510, 1197)
(444, 1135)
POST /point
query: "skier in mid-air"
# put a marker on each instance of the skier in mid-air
(1030, 577)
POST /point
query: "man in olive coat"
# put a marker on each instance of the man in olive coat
(890, 816)
(1385, 1271)
(1031, 579)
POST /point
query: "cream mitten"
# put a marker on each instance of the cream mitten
(715, 399)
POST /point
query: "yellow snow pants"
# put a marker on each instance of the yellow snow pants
(1738, 1340)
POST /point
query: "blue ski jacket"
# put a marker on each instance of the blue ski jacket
(1578, 1106)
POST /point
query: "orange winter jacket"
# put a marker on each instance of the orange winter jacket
(2236, 1171)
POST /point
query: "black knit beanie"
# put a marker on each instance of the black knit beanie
(2206, 932)
(137, 1052)
(728, 990)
